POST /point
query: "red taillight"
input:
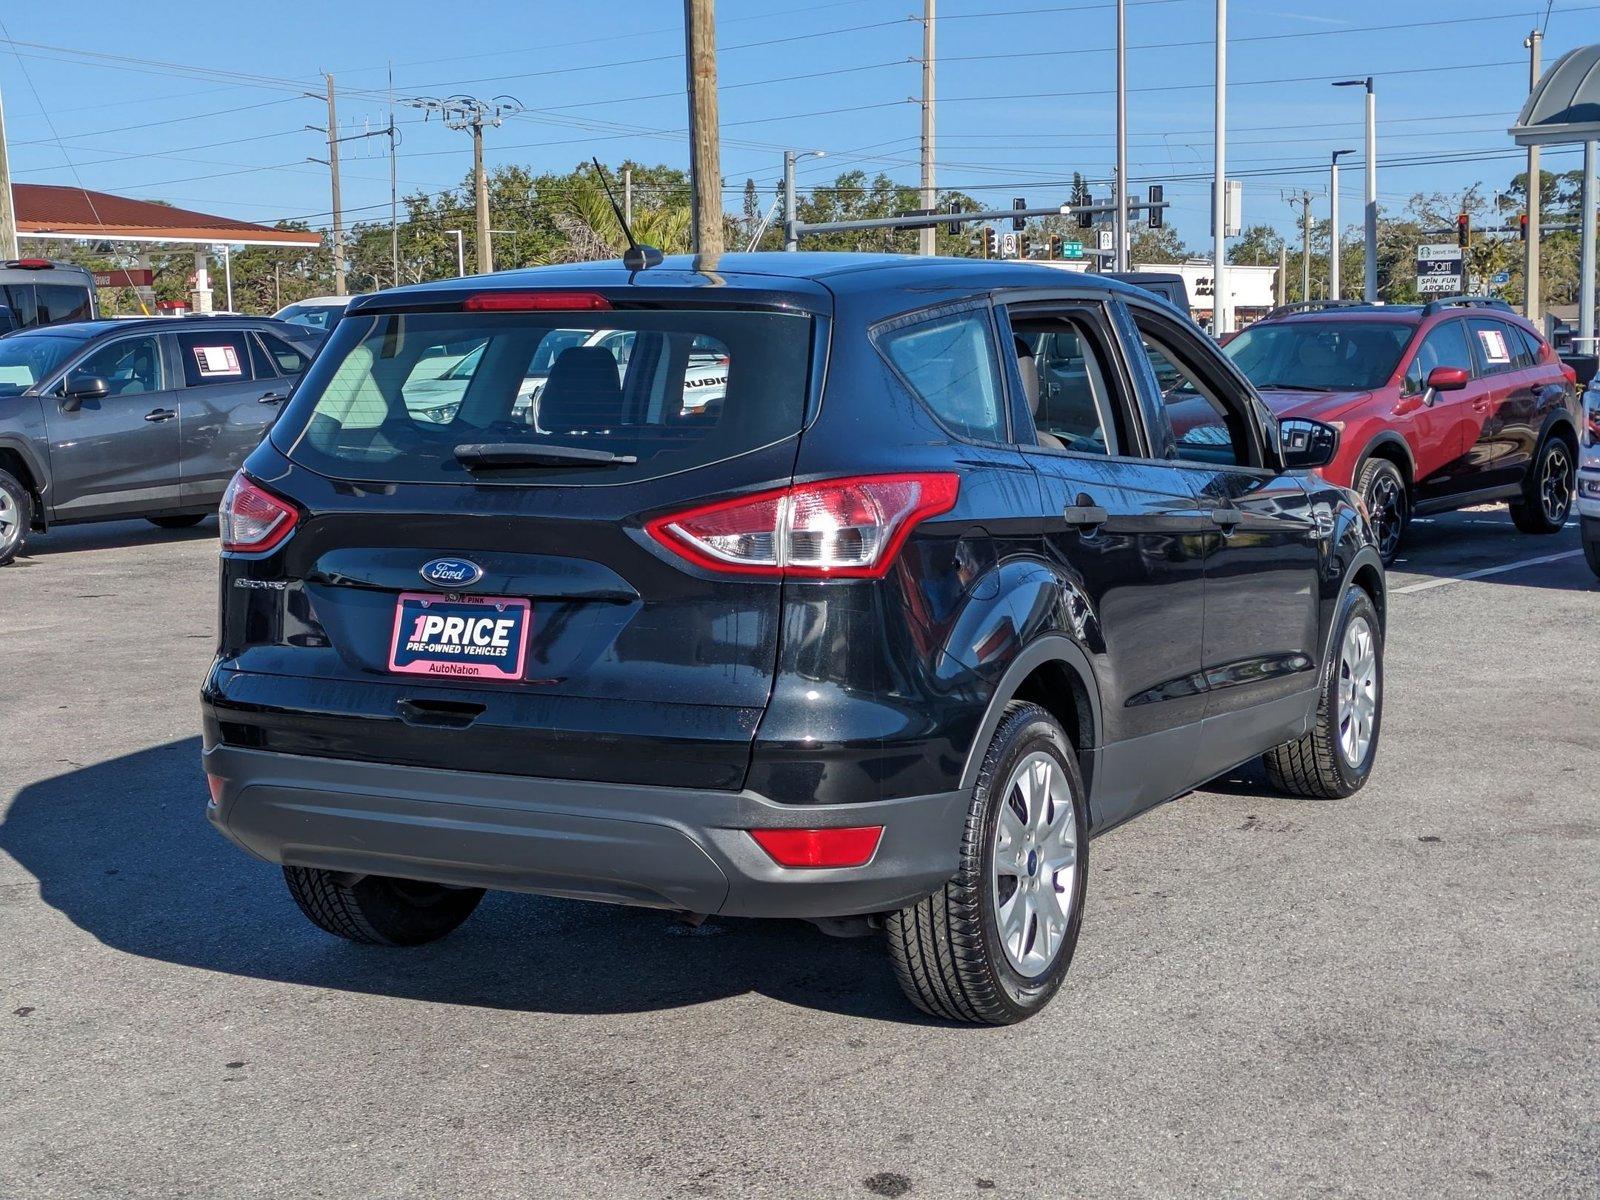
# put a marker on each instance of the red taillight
(252, 519)
(834, 528)
(852, 846)
(536, 302)
(1570, 373)
(30, 264)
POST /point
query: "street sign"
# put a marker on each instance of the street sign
(1502, 277)
(1106, 241)
(1071, 249)
(1008, 245)
(1439, 269)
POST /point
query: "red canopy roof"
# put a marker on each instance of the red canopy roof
(48, 209)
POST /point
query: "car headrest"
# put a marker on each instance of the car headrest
(583, 392)
(1029, 370)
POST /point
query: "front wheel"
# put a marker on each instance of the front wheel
(378, 910)
(993, 945)
(1335, 756)
(1383, 489)
(1547, 490)
(16, 515)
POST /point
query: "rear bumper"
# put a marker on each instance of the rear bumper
(658, 847)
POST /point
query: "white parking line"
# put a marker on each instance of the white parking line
(1516, 566)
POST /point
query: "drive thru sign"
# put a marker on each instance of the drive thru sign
(1439, 269)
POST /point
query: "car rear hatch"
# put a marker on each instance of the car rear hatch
(468, 583)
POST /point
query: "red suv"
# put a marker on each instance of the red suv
(1438, 406)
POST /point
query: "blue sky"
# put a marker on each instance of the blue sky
(1025, 92)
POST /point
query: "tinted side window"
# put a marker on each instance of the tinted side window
(20, 300)
(62, 302)
(1444, 346)
(215, 356)
(1204, 426)
(1531, 347)
(949, 362)
(131, 366)
(289, 360)
(1066, 385)
(1497, 351)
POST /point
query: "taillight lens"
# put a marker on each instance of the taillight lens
(833, 528)
(252, 519)
(853, 846)
(536, 302)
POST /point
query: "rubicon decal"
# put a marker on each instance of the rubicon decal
(465, 637)
(457, 571)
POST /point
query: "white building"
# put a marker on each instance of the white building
(1252, 291)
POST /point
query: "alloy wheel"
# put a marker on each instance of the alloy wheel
(1358, 691)
(10, 521)
(1384, 506)
(1035, 863)
(1555, 483)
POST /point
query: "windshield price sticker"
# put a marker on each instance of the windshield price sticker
(217, 362)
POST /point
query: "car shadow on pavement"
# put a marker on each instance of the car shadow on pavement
(112, 535)
(1454, 545)
(124, 851)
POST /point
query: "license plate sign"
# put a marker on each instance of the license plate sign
(459, 637)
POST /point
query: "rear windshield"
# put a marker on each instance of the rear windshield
(394, 395)
(1323, 356)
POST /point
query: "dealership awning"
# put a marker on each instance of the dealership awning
(70, 213)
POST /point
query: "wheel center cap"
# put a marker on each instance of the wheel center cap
(1033, 861)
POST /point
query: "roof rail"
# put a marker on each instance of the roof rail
(1444, 302)
(1305, 306)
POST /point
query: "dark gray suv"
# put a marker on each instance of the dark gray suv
(146, 418)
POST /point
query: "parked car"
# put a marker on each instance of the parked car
(1169, 285)
(112, 419)
(40, 291)
(1439, 406)
(880, 643)
(1589, 475)
(317, 313)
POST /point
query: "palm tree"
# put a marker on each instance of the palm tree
(585, 217)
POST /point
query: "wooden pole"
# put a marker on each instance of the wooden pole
(705, 159)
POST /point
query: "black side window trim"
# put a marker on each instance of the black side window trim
(982, 305)
(182, 381)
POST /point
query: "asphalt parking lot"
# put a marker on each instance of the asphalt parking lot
(1392, 994)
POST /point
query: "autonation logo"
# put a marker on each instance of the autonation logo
(455, 571)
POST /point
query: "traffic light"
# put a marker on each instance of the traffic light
(1053, 246)
(991, 242)
(1463, 230)
(1019, 223)
(1157, 194)
(1522, 226)
(1025, 245)
(1081, 199)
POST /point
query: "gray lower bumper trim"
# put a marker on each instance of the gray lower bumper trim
(658, 847)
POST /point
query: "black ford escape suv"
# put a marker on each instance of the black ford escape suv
(880, 637)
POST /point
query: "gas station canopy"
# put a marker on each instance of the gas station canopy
(1564, 106)
(70, 213)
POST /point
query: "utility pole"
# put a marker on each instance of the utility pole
(8, 212)
(927, 238)
(705, 156)
(472, 114)
(338, 214)
(1530, 261)
(1221, 321)
(1120, 254)
(1586, 257)
(627, 196)
(1333, 224)
(394, 188)
(1283, 273)
(1305, 245)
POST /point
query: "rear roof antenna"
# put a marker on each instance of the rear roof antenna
(637, 257)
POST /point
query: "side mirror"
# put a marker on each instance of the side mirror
(1448, 379)
(1307, 444)
(84, 387)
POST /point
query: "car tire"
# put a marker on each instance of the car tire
(1334, 758)
(993, 944)
(1547, 489)
(378, 910)
(16, 516)
(187, 521)
(1383, 490)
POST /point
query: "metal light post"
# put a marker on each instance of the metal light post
(1586, 266)
(461, 253)
(1120, 255)
(1333, 224)
(1221, 322)
(790, 157)
(1371, 264)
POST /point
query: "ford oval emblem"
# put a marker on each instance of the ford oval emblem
(453, 572)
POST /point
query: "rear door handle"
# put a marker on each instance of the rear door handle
(1226, 519)
(1084, 516)
(160, 414)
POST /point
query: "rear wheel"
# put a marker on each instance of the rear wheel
(1383, 489)
(16, 516)
(378, 910)
(1546, 490)
(993, 945)
(1335, 756)
(187, 521)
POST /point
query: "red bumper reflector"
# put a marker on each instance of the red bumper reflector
(214, 782)
(852, 846)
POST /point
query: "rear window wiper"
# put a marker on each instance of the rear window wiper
(476, 456)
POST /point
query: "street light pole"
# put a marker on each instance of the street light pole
(461, 253)
(1530, 262)
(927, 238)
(1221, 322)
(1120, 257)
(1333, 225)
(790, 157)
(1371, 264)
